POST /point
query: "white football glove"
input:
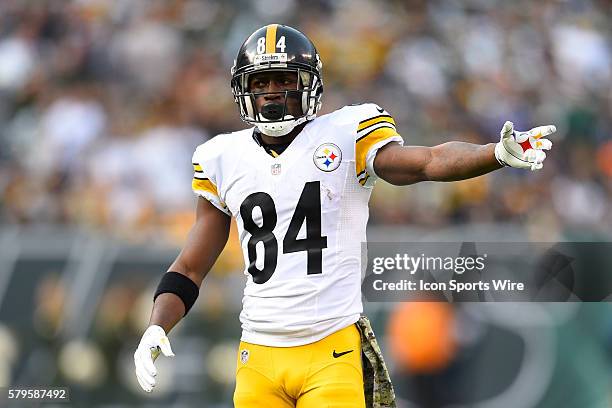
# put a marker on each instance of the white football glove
(523, 150)
(153, 342)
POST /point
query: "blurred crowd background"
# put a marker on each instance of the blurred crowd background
(102, 103)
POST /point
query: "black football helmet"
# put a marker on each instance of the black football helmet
(278, 47)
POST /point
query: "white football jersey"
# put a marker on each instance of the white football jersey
(301, 220)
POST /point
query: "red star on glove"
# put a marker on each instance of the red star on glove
(525, 145)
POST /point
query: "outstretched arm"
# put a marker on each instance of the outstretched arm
(403, 165)
(453, 161)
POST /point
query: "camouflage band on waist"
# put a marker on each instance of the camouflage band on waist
(378, 388)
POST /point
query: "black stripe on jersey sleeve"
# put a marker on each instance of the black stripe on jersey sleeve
(386, 125)
(376, 117)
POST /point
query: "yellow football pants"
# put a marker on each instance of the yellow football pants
(324, 374)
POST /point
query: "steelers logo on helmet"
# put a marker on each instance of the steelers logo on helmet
(327, 157)
(278, 48)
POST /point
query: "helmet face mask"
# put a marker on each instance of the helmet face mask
(259, 54)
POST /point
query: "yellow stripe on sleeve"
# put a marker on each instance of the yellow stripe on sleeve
(197, 168)
(204, 184)
(363, 145)
(376, 119)
(271, 38)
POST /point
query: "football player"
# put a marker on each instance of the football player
(298, 186)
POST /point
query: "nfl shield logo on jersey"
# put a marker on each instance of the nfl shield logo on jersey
(327, 157)
(275, 169)
(244, 356)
